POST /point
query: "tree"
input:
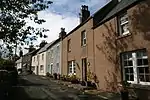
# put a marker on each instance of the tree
(42, 44)
(13, 26)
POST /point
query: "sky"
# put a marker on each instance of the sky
(64, 13)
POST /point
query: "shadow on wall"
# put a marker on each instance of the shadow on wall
(140, 19)
(111, 47)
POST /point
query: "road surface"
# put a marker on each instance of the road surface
(32, 87)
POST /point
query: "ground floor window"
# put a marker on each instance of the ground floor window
(41, 68)
(135, 67)
(71, 67)
(33, 68)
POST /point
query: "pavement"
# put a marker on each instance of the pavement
(32, 87)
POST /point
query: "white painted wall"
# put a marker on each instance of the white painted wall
(38, 62)
(42, 62)
(34, 64)
(19, 63)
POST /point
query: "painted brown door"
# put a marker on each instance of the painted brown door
(84, 69)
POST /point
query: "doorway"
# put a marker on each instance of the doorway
(51, 69)
(37, 70)
(84, 69)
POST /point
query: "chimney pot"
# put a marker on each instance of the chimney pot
(85, 13)
(62, 33)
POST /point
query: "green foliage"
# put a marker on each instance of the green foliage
(6, 63)
(13, 16)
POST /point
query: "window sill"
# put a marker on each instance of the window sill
(123, 36)
(83, 46)
(139, 86)
(69, 51)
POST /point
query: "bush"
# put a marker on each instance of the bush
(55, 76)
(65, 78)
(74, 79)
(47, 74)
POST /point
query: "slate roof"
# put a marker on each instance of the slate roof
(123, 4)
(45, 47)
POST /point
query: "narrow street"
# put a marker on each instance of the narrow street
(33, 87)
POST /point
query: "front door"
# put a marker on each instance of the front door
(37, 70)
(51, 69)
(84, 69)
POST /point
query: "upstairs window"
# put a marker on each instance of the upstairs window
(123, 22)
(42, 56)
(69, 45)
(34, 59)
(83, 38)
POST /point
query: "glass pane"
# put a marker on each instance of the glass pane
(127, 77)
(147, 78)
(146, 69)
(126, 70)
(139, 55)
(125, 63)
(142, 78)
(124, 28)
(131, 77)
(144, 53)
(141, 70)
(145, 61)
(125, 57)
(84, 41)
(129, 55)
(139, 62)
(131, 70)
(130, 63)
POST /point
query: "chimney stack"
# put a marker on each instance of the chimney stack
(85, 13)
(62, 34)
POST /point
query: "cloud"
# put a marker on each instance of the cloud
(64, 13)
(72, 7)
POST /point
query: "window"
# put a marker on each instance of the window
(41, 68)
(34, 59)
(135, 67)
(42, 56)
(123, 22)
(33, 68)
(37, 57)
(69, 45)
(71, 67)
(83, 38)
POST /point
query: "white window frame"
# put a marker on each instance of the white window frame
(42, 56)
(83, 39)
(135, 70)
(120, 18)
(72, 66)
(42, 70)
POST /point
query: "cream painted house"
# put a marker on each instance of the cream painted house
(19, 63)
(39, 60)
